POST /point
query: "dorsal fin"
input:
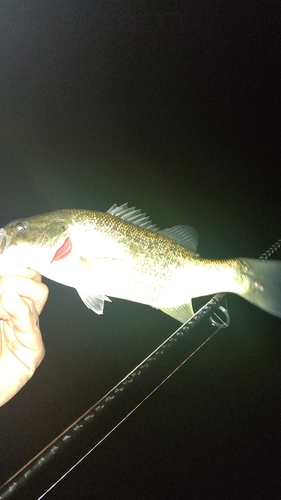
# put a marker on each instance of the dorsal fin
(132, 215)
(185, 236)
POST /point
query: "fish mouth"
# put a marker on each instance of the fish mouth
(64, 250)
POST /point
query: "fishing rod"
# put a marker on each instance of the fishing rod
(145, 378)
(121, 399)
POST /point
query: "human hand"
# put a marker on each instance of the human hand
(22, 298)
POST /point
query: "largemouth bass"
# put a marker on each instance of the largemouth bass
(120, 253)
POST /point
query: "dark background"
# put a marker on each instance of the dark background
(173, 107)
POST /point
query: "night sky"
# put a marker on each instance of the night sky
(173, 107)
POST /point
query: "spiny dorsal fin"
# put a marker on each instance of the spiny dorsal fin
(185, 236)
(132, 215)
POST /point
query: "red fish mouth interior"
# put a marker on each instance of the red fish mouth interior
(63, 251)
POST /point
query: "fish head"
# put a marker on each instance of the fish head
(34, 242)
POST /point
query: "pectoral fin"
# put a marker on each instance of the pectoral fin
(93, 301)
(182, 313)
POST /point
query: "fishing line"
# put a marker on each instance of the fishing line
(219, 323)
(223, 325)
(151, 371)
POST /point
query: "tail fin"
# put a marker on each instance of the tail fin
(267, 291)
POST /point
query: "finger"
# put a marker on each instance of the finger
(21, 331)
(22, 319)
(26, 287)
(28, 273)
(11, 309)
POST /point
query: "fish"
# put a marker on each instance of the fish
(121, 253)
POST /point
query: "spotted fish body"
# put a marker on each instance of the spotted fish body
(120, 253)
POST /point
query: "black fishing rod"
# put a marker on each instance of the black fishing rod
(121, 399)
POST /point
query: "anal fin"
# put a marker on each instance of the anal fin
(181, 313)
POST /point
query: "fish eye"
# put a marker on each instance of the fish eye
(21, 226)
